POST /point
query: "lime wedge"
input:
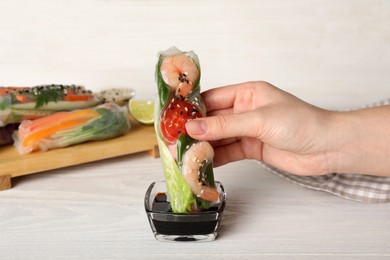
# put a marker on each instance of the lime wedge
(142, 111)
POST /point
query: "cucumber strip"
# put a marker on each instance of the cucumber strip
(183, 144)
(163, 89)
(28, 112)
(57, 106)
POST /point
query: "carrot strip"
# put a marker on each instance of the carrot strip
(40, 122)
(78, 97)
(22, 99)
(64, 122)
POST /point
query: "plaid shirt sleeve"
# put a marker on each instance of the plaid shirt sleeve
(363, 188)
(357, 187)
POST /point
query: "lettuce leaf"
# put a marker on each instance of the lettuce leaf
(181, 197)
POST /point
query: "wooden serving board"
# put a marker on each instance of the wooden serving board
(140, 138)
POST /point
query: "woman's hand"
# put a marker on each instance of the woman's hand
(256, 120)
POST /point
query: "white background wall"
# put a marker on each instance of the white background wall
(333, 53)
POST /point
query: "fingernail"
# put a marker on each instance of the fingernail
(196, 127)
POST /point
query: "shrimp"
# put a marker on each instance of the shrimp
(198, 154)
(180, 73)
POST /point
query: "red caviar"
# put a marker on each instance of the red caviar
(175, 116)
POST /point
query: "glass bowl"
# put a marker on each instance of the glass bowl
(169, 227)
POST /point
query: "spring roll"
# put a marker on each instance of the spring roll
(68, 128)
(187, 162)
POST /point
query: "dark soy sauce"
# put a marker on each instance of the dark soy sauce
(160, 204)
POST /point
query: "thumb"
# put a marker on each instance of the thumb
(225, 126)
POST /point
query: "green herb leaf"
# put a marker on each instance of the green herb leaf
(48, 95)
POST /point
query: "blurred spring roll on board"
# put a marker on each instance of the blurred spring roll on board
(187, 162)
(19, 103)
(68, 128)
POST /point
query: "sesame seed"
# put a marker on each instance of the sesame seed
(201, 192)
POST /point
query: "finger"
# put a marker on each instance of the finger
(228, 153)
(222, 142)
(221, 112)
(226, 96)
(220, 98)
(248, 124)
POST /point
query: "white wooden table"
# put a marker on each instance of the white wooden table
(332, 53)
(95, 211)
